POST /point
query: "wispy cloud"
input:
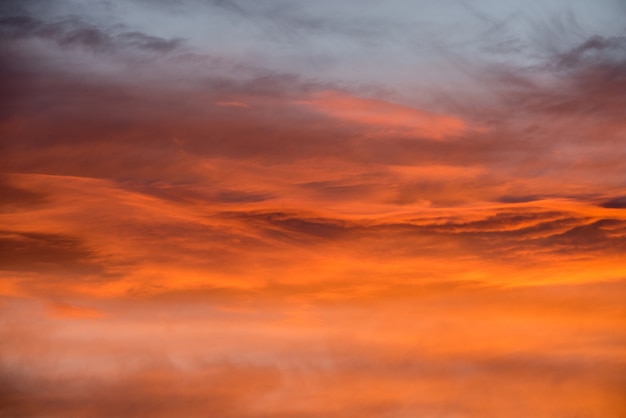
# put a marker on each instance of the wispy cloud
(388, 118)
(72, 32)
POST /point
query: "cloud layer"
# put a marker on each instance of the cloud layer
(294, 209)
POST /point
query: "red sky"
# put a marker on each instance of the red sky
(244, 209)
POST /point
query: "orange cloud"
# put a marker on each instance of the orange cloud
(385, 116)
(64, 310)
(184, 235)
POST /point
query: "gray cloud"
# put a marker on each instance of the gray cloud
(74, 32)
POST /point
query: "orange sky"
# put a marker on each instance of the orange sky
(247, 209)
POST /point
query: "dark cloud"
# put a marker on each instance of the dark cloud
(507, 235)
(21, 7)
(14, 198)
(73, 32)
(148, 42)
(590, 238)
(293, 227)
(237, 196)
(504, 221)
(34, 252)
(615, 203)
(589, 76)
(595, 50)
(519, 199)
(503, 235)
(341, 189)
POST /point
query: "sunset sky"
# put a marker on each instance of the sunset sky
(302, 209)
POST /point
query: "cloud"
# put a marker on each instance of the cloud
(556, 344)
(233, 104)
(75, 33)
(64, 310)
(212, 241)
(14, 198)
(385, 116)
(594, 50)
(617, 202)
(252, 209)
(36, 251)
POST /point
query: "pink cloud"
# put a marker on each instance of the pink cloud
(386, 116)
(233, 104)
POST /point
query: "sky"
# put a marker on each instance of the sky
(297, 209)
